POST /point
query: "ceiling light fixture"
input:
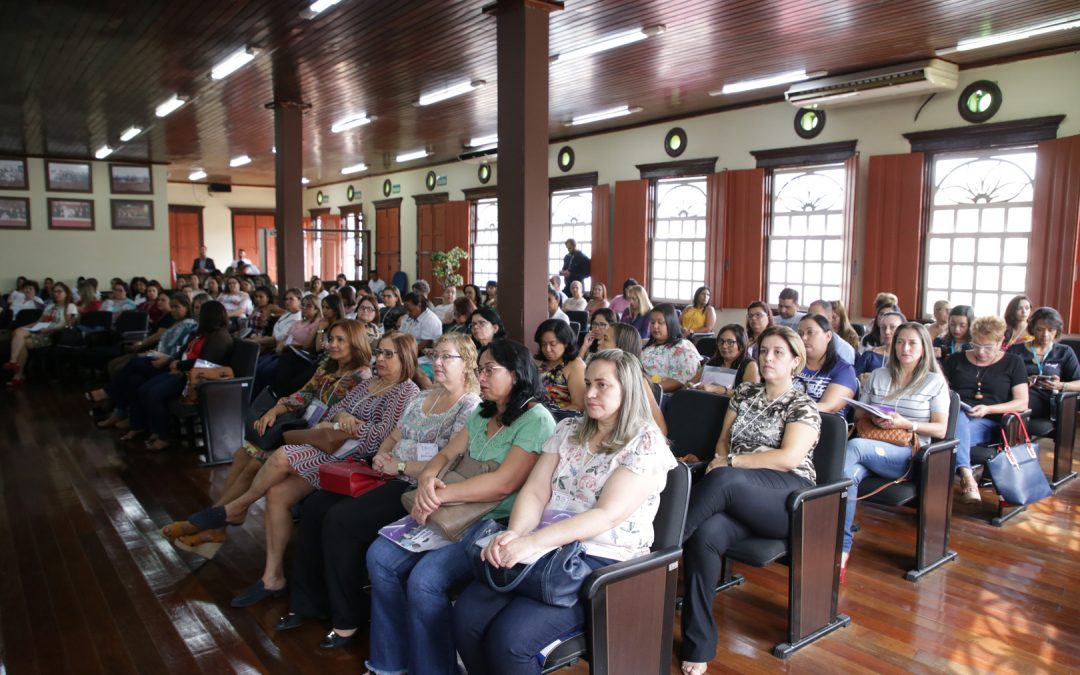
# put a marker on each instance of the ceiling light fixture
(602, 115)
(170, 105)
(351, 122)
(319, 6)
(764, 82)
(1002, 38)
(411, 155)
(450, 91)
(197, 174)
(239, 161)
(233, 63)
(355, 168)
(130, 133)
(305, 181)
(479, 141)
(103, 152)
(610, 42)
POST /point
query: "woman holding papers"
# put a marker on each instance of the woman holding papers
(329, 574)
(600, 477)
(61, 313)
(731, 365)
(909, 393)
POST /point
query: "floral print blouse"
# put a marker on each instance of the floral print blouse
(326, 387)
(679, 361)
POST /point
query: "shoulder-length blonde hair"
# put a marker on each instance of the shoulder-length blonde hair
(405, 346)
(992, 327)
(927, 362)
(634, 411)
(466, 348)
(644, 304)
(359, 345)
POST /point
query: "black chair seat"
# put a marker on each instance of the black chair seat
(895, 495)
(568, 652)
(1041, 427)
(758, 552)
(981, 454)
(183, 410)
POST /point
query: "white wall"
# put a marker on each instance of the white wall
(103, 252)
(217, 213)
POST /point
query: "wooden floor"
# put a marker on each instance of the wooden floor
(88, 585)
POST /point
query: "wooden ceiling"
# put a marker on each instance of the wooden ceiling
(79, 72)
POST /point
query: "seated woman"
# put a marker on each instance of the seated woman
(486, 326)
(263, 310)
(991, 382)
(61, 313)
(765, 452)
(732, 353)
(137, 290)
(333, 310)
(315, 287)
(1051, 367)
(1017, 314)
(149, 408)
(266, 427)
(237, 302)
(884, 304)
(941, 320)
(637, 313)
(958, 338)
(826, 378)
(25, 298)
(459, 317)
(554, 311)
(561, 370)
(300, 335)
(758, 318)
(914, 388)
(411, 592)
(88, 298)
(841, 324)
(287, 314)
(669, 360)
(420, 321)
(328, 574)
(149, 305)
(625, 337)
(392, 308)
(367, 313)
(472, 292)
(125, 386)
(599, 321)
(369, 412)
(597, 298)
(213, 287)
(119, 301)
(606, 472)
(876, 357)
(348, 301)
(700, 316)
(576, 302)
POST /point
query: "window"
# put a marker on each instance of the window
(571, 218)
(980, 223)
(485, 242)
(356, 242)
(678, 241)
(333, 250)
(806, 232)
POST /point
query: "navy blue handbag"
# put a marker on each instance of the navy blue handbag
(1017, 475)
(554, 579)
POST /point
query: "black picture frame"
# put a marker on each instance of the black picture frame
(64, 176)
(131, 179)
(132, 214)
(14, 213)
(13, 174)
(71, 214)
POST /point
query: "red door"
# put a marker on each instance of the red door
(388, 238)
(185, 236)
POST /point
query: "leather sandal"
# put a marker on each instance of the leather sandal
(204, 543)
(179, 528)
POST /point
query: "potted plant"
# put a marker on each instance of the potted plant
(444, 266)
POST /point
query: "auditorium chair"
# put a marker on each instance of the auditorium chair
(1063, 428)
(694, 420)
(630, 606)
(219, 414)
(706, 344)
(581, 317)
(929, 490)
(812, 549)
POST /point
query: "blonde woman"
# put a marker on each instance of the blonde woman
(637, 314)
(599, 298)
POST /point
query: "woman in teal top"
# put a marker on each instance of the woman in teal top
(410, 592)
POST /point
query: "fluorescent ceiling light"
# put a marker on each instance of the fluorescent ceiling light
(103, 152)
(321, 6)
(763, 82)
(411, 155)
(170, 105)
(273, 149)
(450, 91)
(602, 115)
(130, 133)
(355, 168)
(197, 174)
(305, 181)
(239, 161)
(490, 139)
(233, 63)
(351, 122)
(610, 42)
(1002, 38)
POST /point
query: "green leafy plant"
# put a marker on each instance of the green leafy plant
(444, 266)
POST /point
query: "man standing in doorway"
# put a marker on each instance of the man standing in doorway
(789, 309)
(203, 265)
(575, 266)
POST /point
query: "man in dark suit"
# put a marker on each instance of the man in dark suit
(203, 264)
(575, 266)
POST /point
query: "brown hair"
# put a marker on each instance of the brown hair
(359, 346)
(405, 345)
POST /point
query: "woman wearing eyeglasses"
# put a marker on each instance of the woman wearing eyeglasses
(732, 353)
(367, 313)
(991, 382)
(329, 573)
(393, 309)
(758, 318)
(486, 327)
(411, 620)
(600, 321)
(369, 412)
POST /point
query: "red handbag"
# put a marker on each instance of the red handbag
(351, 477)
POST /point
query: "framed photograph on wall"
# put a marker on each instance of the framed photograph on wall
(12, 174)
(71, 214)
(132, 214)
(68, 177)
(15, 213)
(130, 179)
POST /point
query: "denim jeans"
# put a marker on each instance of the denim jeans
(868, 457)
(411, 617)
(971, 431)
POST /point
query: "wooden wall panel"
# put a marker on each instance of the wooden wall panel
(742, 209)
(388, 239)
(630, 252)
(601, 236)
(1055, 220)
(893, 241)
(185, 236)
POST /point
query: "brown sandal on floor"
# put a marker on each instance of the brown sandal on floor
(204, 543)
(157, 444)
(179, 528)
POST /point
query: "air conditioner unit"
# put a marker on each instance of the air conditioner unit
(906, 79)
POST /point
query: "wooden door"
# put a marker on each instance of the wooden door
(388, 238)
(246, 235)
(331, 243)
(430, 237)
(185, 236)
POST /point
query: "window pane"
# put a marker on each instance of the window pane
(571, 218)
(989, 250)
(678, 245)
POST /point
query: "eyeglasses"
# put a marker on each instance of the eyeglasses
(727, 343)
(489, 370)
(444, 356)
(600, 324)
(758, 315)
(385, 353)
(480, 323)
(365, 308)
(985, 348)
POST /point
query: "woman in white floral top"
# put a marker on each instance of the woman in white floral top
(599, 479)
(669, 360)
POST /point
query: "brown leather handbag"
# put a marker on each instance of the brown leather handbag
(325, 439)
(865, 428)
(451, 520)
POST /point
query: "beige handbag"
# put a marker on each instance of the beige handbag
(451, 520)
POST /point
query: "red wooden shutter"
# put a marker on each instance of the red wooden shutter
(714, 236)
(851, 192)
(1055, 219)
(331, 243)
(388, 234)
(893, 245)
(457, 233)
(740, 207)
(244, 237)
(601, 235)
(631, 236)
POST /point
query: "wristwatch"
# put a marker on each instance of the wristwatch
(401, 468)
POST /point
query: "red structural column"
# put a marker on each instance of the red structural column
(289, 193)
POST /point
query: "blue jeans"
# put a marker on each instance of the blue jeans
(411, 615)
(150, 408)
(503, 633)
(867, 457)
(972, 431)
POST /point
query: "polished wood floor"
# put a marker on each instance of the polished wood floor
(87, 584)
